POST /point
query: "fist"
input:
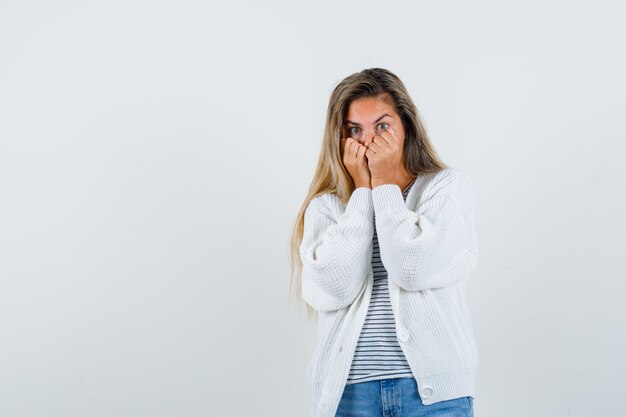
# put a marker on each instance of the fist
(355, 162)
(384, 156)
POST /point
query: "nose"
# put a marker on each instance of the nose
(368, 136)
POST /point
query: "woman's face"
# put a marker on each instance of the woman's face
(368, 117)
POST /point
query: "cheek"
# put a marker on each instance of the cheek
(396, 132)
(399, 131)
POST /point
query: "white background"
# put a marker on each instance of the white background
(153, 156)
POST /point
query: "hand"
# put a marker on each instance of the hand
(355, 161)
(384, 158)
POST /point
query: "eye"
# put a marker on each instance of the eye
(352, 130)
(384, 124)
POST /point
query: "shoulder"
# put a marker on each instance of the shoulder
(324, 199)
(447, 180)
(450, 184)
(327, 203)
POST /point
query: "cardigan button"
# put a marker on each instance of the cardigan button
(426, 392)
(403, 334)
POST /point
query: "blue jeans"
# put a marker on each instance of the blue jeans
(396, 397)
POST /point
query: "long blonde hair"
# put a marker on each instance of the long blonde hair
(331, 176)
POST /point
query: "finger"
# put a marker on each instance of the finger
(348, 142)
(357, 147)
(390, 136)
(384, 139)
(354, 148)
(346, 146)
(376, 146)
(361, 152)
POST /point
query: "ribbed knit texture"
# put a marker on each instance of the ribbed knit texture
(378, 354)
(428, 246)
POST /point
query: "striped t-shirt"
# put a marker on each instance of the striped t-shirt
(378, 354)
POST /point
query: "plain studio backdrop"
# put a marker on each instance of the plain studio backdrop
(153, 156)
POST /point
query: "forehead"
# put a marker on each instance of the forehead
(369, 108)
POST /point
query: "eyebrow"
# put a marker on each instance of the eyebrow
(375, 121)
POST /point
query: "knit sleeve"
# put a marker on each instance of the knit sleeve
(336, 249)
(436, 244)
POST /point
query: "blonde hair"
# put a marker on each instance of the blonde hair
(331, 176)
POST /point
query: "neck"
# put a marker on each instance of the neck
(404, 179)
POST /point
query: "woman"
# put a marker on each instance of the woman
(384, 245)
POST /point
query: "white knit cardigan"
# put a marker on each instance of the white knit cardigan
(428, 246)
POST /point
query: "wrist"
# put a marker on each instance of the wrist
(382, 181)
